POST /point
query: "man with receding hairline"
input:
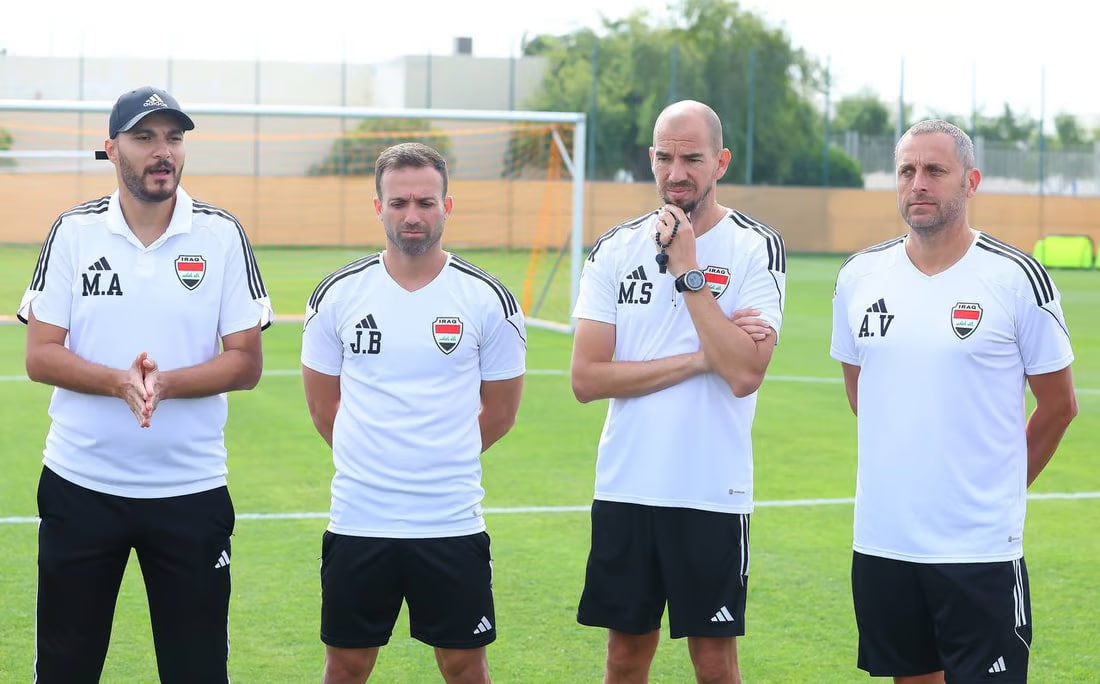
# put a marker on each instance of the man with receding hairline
(680, 350)
(956, 322)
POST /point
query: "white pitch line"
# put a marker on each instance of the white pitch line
(789, 503)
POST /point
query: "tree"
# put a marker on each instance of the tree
(355, 152)
(862, 113)
(1070, 133)
(844, 172)
(1008, 127)
(6, 141)
(707, 52)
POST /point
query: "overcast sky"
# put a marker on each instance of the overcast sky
(955, 53)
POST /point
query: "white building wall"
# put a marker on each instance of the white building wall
(219, 146)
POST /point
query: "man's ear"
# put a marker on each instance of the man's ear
(107, 152)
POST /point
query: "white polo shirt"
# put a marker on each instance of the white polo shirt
(688, 445)
(174, 299)
(406, 443)
(943, 359)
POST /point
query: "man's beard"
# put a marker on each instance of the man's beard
(134, 182)
(414, 248)
(945, 214)
(689, 206)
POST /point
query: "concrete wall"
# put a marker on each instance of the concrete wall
(457, 82)
(249, 145)
(488, 213)
(191, 81)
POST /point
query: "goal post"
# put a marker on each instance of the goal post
(1065, 251)
(302, 176)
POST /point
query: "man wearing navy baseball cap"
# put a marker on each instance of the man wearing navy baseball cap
(135, 105)
(132, 107)
(144, 310)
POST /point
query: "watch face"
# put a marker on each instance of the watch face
(695, 280)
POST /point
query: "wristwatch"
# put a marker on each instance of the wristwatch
(691, 281)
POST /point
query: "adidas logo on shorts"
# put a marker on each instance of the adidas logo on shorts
(223, 561)
(483, 626)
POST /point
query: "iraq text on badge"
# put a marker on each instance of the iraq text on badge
(718, 279)
(965, 317)
(447, 332)
(190, 269)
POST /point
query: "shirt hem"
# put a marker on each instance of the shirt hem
(844, 358)
(676, 503)
(1015, 554)
(136, 492)
(594, 316)
(511, 374)
(405, 533)
(321, 368)
(1051, 367)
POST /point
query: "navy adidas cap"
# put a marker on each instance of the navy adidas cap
(135, 105)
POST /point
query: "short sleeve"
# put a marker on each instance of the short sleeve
(765, 284)
(504, 349)
(322, 349)
(245, 301)
(596, 296)
(51, 287)
(1041, 333)
(842, 347)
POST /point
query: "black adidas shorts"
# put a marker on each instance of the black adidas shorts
(84, 542)
(447, 583)
(972, 620)
(644, 556)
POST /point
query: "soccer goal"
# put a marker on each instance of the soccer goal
(302, 177)
(1065, 251)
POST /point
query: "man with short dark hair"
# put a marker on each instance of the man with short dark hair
(144, 309)
(413, 363)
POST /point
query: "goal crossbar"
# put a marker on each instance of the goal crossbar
(574, 160)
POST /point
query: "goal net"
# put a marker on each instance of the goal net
(301, 181)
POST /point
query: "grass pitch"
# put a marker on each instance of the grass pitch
(800, 623)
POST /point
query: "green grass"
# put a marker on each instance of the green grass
(800, 624)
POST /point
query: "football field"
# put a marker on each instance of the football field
(539, 484)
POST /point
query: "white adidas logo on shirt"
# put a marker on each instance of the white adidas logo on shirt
(483, 626)
(998, 666)
(223, 561)
(723, 615)
(154, 101)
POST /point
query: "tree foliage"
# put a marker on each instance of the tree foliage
(1070, 131)
(1023, 130)
(355, 152)
(863, 113)
(712, 51)
(6, 141)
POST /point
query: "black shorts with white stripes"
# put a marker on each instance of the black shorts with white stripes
(972, 620)
(644, 556)
(447, 583)
(84, 544)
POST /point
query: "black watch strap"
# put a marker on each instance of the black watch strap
(681, 281)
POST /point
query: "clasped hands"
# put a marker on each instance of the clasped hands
(142, 390)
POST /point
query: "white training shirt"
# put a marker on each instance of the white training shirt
(406, 443)
(943, 359)
(174, 299)
(688, 445)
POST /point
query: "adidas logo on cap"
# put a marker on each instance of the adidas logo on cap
(131, 107)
